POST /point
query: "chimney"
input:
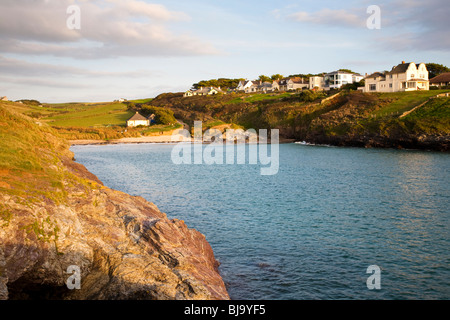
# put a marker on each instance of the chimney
(403, 62)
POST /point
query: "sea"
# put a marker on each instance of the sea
(330, 223)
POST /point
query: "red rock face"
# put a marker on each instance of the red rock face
(124, 246)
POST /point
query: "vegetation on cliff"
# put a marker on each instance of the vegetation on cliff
(350, 118)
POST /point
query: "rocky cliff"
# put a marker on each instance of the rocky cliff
(55, 214)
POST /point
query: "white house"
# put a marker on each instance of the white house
(403, 77)
(292, 84)
(252, 86)
(3, 98)
(316, 82)
(244, 85)
(138, 120)
(188, 93)
(336, 79)
(207, 91)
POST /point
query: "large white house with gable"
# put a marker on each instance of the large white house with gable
(403, 77)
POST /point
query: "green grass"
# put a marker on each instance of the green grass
(110, 114)
(433, 117)
(160, 128)
(141, 100)
(259, 97)
(404, 101)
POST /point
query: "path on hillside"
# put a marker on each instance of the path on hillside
(404, 114)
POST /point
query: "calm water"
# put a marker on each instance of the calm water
(311, 231)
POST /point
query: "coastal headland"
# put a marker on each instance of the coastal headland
(55, 217)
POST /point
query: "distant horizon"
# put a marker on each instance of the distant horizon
(103, 50)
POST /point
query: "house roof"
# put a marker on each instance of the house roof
(376, 75)
(445, 77)
(137, 116)
(401, 68)
(340, 72)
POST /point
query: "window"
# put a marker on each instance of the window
(390, 85)
(372, 87)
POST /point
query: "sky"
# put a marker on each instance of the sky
(136, 49)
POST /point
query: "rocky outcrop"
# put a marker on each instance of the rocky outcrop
(422, 142)
(57, 218)
(124, 246)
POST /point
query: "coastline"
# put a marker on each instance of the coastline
(55, 215)
(149, 139)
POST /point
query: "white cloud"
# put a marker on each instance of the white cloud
(109, 28)
(15, 67)
(329, 17)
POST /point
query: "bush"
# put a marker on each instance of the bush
(310, 96)
(162, 115)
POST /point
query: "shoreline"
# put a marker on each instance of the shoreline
(150, 139)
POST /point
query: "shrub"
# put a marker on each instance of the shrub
(162, 115)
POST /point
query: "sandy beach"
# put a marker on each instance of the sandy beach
(148, 139)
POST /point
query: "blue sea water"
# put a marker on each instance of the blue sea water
(310, 231)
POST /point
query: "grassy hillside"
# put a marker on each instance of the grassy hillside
(30, 154)
(91, 121)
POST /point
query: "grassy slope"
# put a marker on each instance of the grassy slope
(92, 121)
(30, 158)
(91, 115)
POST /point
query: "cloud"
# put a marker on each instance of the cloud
(16, 67)
(329, 17)
(420, 25)
(109, 28)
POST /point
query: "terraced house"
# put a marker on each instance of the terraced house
(403, 77)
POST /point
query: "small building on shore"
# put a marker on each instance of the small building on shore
(138, 120)
(4, 99)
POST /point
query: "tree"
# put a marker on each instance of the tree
(353, 86)
(223, 83)
(264, 78)
(435, 69)
(276, 77)
(346, 70)
(162, 115)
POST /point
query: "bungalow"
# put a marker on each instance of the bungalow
(441, 80)
(292, 84)
(207, 91)
(138, 120)
(188, 93)
(403, 77)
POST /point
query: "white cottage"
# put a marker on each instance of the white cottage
(138, 120)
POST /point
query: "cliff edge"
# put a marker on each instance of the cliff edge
(56, 217)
